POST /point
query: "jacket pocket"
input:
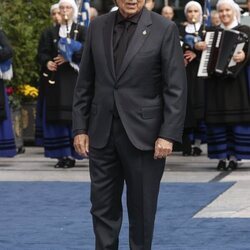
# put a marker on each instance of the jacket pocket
(151, 112)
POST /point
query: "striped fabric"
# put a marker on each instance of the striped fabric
(199, 133)
(7, 141)
(57, 140)
(224, 141)
(84, 12)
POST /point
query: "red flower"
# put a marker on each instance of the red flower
(9, 90)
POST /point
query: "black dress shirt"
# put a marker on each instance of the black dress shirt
(122, 37)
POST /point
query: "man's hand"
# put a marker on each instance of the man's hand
(81, 144)
(163, 148)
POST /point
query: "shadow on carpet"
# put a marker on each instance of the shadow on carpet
(55, 216)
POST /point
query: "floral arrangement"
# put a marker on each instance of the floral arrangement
(28, 92)
(21, 93)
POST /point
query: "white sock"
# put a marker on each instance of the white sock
(232, 158)
(197, 143)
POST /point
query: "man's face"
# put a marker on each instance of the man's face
(215, 19)
(150, 4)
(168, 12)
(129, 8)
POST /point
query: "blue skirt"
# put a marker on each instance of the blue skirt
(226, 141)
(58, 140)
(199, 133)
(7, 140)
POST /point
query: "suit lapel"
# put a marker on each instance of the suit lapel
(108, 41)
(141, 33)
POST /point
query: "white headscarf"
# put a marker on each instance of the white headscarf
(74, 6)
(53, 7)
(234, 6)
(197, 5)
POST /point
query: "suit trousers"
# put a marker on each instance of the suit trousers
(118, 162)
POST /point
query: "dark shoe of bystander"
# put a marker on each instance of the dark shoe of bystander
(221, 165)
(196, 151)
(60, 163)
(232, 165)
(69, 163)
(187, 153)
(21, 150)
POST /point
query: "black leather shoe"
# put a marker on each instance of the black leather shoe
(196, 151)
(69, 163)
(186, 153)
(221, 165)
(232, 165)
(60, 163)
(21, 150)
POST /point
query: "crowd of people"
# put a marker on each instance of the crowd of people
(218, 109)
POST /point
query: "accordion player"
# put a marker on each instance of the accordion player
(222, 45)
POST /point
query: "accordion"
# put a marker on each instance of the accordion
(218, 57)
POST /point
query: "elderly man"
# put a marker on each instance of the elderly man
(247, 13)
(215, 19)
(129, 107)
(168, 12)
(93, 13)
(150, 4)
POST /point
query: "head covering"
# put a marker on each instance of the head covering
(197, 5)
(74, 6)
(234, 6)
(53, 7)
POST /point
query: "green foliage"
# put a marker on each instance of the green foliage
(23, 21)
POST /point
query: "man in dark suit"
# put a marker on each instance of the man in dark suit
(129, 107)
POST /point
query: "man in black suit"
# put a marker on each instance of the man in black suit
(129, 107)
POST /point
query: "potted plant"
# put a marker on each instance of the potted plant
(22, 99)
(29, 96)
(15, 105)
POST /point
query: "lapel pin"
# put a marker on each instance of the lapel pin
(144, 32)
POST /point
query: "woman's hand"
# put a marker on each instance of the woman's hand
(239, 57)
(189, 56)
(52, 66)
(59, 60)
(200, 46)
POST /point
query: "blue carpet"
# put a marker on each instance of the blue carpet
(55, 216)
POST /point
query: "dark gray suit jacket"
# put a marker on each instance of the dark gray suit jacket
(149, 90)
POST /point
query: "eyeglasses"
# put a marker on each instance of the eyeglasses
(65, 7)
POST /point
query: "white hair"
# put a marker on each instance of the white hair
(53, 7)
(74, 6)
(196, 4)
(233, 5)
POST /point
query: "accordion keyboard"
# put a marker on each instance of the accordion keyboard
(202, 72)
